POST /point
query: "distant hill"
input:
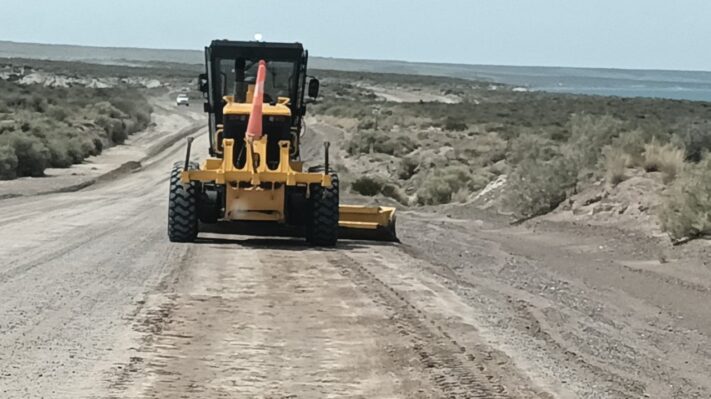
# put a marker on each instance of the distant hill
(694, 85)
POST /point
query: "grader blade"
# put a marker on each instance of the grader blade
(366, 223)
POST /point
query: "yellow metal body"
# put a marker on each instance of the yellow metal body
(257, 193)
(365, 217)
(253, 200)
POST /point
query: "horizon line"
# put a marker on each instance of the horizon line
(650, 69)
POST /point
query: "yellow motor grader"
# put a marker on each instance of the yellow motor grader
(254, 181)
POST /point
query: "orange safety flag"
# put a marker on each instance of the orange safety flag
(254, 126)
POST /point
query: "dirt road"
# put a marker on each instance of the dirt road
(97, 303)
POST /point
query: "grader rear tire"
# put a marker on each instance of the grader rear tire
(322, 226)
(182, 207)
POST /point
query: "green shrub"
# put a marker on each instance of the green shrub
(59, 154)
(407, 167)
(532, 147)
(588, 135)
(392, 191)
(538, 187)
(381, 142)
(441, 184)
(454, 124)
(434, 191)
(483, 150)
(366, 185)
(8, 162)
(61, 126)
(696, 140)
(32, 155)
(663, 158)
(685, 211)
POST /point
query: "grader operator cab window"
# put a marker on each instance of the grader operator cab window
(237, 75)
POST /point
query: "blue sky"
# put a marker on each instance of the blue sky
(660, 34)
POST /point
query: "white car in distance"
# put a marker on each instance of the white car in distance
(182, 100)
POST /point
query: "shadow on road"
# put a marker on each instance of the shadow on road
(290, 244)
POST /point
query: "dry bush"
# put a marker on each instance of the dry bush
(695, 138)
(537, 187)
(532, 147)
(454, 124)
(407, 167)
(589, 134)
(615, 161)
(632, 143)
(8, 162)
(665, 158)
(685, 211)
(372, 186)
(392, 191)
(441, 184)
(366, 185)
(483, 150)
(381, 142)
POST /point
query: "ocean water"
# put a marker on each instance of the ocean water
(682, 85)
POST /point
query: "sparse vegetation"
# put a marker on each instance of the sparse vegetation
(549, 145)
(663, 158)
(616, 161)
(43, 127)
(366, 185)
(537, 187)
(686, 209)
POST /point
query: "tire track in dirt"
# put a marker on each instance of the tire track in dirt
(264, 319)
(452, 367)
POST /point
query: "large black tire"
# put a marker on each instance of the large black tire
(182, 207)
(322, 226)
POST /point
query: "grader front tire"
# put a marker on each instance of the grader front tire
(322, 228)
(182, 207)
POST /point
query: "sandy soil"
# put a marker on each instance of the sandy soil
(410, 95)
(97, 303)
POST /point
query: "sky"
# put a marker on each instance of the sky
(638, 34)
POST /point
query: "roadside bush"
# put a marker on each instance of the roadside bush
(8, 162)
(696, 140)
(685, 211)
(615, 162)
(663, 158)
(537, 187)
(483, 149)
(632, 143)
(588, 135)
(407, 167)
(441, 184)
(44, 132)
(366, 185)
(59, 156)
(532, 147)
(392, 191)
(385, 143)
(32, 155)
(454, 124)
(372, 186)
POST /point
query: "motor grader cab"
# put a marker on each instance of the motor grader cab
(254, 181)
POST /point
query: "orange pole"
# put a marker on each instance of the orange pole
(254, 126)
